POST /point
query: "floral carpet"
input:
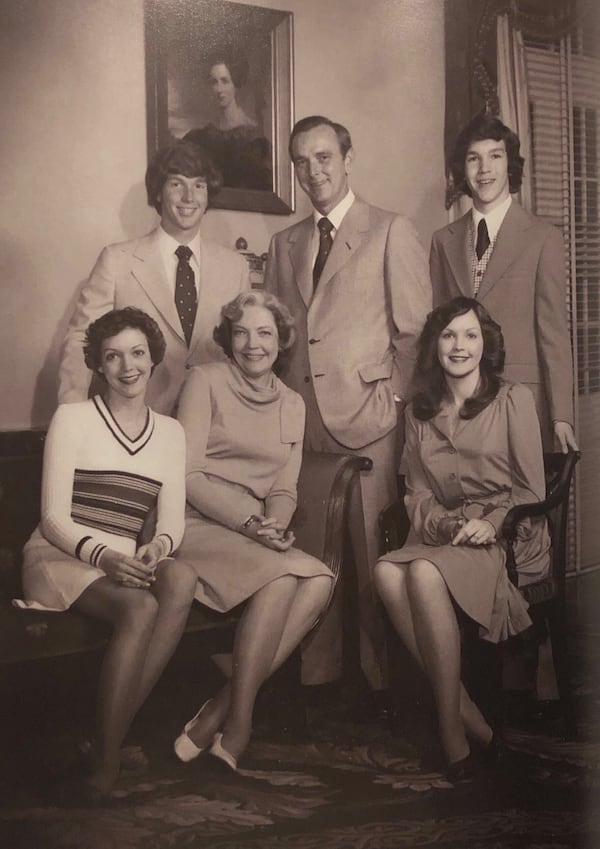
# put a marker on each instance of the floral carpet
(347, 786)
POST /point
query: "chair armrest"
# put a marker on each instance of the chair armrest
(558, 491)
(394, 526)
(559, 471)
(323, 495)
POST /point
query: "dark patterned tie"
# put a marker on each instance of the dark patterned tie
(186, 298)
(325, 242)
(483, 239)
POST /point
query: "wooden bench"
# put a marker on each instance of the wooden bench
(319, 525)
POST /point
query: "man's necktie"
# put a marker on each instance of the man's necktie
(186, 298)
(325, 242)
(483, 239)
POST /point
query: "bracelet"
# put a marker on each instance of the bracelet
(251, 520)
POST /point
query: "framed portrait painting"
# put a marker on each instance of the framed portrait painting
(220, 73)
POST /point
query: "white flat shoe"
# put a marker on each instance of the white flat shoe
(222, 754)
(184, 747)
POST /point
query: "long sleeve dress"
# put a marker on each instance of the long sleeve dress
(486, 466)
(244, 450)
(98, 486)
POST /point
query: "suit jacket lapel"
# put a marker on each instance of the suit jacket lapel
(147, 268)
(456, 246)
(510, 242)
(301, 242)
(347, 240)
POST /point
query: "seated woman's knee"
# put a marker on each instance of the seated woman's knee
(177, 581)
(423, 575)
(138, 608)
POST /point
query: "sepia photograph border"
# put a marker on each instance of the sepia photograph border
(281, 200)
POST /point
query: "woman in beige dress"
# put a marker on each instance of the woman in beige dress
(473, 450)
(244, 431)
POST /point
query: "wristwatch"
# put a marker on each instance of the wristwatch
(251, 520)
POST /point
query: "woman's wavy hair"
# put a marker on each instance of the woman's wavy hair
(238, 66)
(186, 157)
(429, 388)
(232, 312)
(112, 323)
(482, 128)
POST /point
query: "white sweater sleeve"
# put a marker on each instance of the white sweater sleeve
(171, 499)
(64, 436)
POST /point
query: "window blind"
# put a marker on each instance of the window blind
(564, 94)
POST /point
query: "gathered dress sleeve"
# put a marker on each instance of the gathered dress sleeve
(525, 456)
(208, 494)
(60, 451)
(170, 520)
(428, 516)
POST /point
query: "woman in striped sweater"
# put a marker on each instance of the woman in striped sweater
(109, 463)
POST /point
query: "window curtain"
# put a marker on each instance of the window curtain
(484, 65)
(513, 94)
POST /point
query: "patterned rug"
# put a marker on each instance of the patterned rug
(345, 786)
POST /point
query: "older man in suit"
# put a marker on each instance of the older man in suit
(513, 262)
(174, 275)
(355, 278)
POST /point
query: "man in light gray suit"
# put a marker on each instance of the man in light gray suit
(355, 278)
(178, 278)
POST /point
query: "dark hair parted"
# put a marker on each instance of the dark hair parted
(237, 66)
(313, 121)
(429, 381)
(481, 128)
(112, 323)
(185, 157)
(233, 311)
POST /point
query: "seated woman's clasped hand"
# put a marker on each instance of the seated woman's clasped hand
(269, 532)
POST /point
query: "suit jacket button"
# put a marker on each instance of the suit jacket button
(307, 379)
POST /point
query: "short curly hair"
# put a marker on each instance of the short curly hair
(112, 323)
(429, 383)
(232, 312)
(186, 157)
(481, 128)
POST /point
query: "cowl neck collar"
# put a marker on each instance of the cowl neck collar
(250, 391)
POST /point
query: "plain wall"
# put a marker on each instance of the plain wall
(73, 151)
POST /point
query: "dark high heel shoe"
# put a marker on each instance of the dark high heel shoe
(462, 771)
(490, 755)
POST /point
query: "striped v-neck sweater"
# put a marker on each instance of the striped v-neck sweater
(98, 484)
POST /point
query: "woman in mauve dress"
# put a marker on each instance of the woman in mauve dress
(473, 450)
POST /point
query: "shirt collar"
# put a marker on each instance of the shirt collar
(168, 245)
(338, 213)
(493, 219)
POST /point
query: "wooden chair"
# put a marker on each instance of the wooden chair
(546, 598)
